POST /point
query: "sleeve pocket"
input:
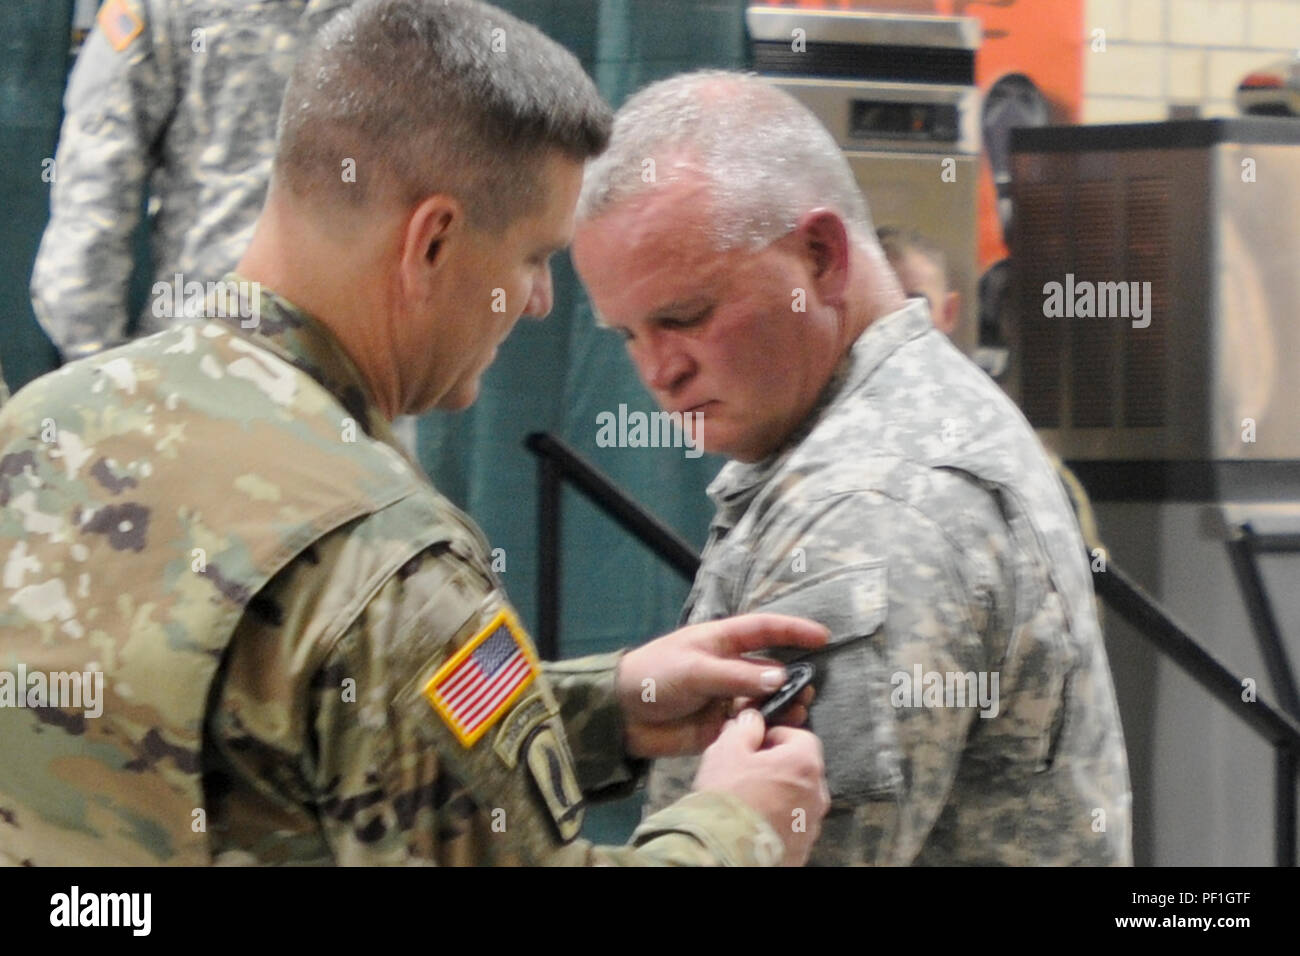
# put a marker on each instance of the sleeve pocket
(850, 601)
(852, 713)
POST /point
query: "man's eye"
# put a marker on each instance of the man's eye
(624, 334)
(685, 323)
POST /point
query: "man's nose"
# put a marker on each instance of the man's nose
(542, 298)
(663, 366)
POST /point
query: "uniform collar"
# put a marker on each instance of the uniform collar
(737, 483)
(305, 343)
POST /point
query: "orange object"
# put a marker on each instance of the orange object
(1262, 81)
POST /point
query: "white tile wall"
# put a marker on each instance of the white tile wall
(1185, 74)
(1104, 109)
(1272, 22)
(1108, 15)
(1124, 69)
(1165, 52)
(1146, 20)
(1207, 22)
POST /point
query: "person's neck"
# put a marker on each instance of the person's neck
(326, 279)
(873, 294)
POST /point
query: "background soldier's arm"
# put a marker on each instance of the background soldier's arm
(118, 102)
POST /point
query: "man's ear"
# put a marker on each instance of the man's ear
(949, 314)
(826, 242)
(429, 226)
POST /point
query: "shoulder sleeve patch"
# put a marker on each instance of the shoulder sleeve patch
(483, 679)
(551, 765)
(120, 24)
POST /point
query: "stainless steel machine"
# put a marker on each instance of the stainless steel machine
(898, 94)
(1173, 395)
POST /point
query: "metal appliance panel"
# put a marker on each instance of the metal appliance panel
(1256, 354)
(1219, 253)
(839, 105)
(864, 29)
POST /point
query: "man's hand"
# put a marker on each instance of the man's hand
(676, 692)
(779, 772)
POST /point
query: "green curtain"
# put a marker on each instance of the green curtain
(558, 375)
(37, 37)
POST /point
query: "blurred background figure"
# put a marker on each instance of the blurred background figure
(922, 271)
(176, 100)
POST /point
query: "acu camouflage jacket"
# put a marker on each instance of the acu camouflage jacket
(965, 703)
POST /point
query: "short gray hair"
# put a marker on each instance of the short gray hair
(766, 158)
(434, 96)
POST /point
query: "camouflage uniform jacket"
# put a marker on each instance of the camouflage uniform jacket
(221, 527)
(181, 97)
(916, 515)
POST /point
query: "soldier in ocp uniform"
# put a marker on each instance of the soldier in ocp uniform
(880, 483)
(305, 654)
(177, 98)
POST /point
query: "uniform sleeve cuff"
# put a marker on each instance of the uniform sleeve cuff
(730, 830)
(593, 723)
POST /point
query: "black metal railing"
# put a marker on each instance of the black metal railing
(557, 462)
(1244, 547)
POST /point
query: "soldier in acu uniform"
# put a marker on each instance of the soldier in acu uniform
(304, 652)
(881, 483)
(179, 98)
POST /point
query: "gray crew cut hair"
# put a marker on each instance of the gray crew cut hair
(434, 96)
(767, 159)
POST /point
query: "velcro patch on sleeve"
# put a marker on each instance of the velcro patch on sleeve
(551, 765)
(119, 23)
(484, 678)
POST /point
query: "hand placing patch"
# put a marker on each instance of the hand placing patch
(482, 680)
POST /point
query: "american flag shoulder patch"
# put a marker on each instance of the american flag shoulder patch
(119, 23)
(480, 682)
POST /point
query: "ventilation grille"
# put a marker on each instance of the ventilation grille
(1044, 248)
(1149, 258)
(1094, 371)
(897, 64)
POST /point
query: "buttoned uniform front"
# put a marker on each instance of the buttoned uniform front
(916, 515)
(218, 521)
(179, 99)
